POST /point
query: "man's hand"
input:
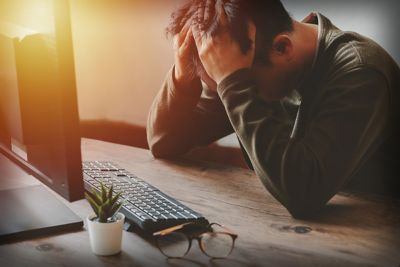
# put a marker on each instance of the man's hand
(221, 55)
(183, 43)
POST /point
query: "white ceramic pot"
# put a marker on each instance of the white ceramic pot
(105, 238)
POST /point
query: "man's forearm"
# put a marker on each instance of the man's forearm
(168, 132)
(181, 118)
(263, 128)
(305, 170)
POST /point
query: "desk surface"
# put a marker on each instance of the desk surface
(353, 230)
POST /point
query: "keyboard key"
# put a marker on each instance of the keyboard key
(146, 217)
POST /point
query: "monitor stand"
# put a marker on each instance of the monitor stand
(27, 210)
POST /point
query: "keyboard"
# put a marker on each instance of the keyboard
(144, 206)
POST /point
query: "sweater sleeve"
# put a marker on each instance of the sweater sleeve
(183, 118)
(303, 168)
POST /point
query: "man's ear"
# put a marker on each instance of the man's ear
(282, 46)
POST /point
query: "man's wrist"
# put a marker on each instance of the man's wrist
(238, 76)
(227, 74)
(190, 88)
(182, 81)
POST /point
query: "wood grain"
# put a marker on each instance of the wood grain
(353, 230)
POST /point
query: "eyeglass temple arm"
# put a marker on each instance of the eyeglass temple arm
(178, 227)
(228, 231)
(171, 229)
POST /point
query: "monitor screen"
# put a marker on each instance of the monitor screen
(39, 120)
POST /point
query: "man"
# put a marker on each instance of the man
(239, 65)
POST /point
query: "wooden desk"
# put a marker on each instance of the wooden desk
(352, 231)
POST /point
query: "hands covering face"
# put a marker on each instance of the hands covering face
(220, 55)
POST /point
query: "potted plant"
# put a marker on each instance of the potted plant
(105, 226)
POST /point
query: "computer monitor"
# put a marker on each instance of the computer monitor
(39, 120)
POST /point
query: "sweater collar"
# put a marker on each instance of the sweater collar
(324, 29)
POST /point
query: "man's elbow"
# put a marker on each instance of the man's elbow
(157, 145)
(165, 149)
(159, 151)
(304, 198)
(301, 212)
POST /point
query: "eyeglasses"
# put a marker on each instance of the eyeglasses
(214, 240)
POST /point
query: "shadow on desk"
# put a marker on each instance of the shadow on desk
(115, 132)
(135, 135)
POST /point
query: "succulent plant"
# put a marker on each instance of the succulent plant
(104, 204)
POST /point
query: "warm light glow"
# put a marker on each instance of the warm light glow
(39, 68)
(14, 31)
(19, 18)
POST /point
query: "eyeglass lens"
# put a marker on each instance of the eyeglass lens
(216, 245)
(174, 245)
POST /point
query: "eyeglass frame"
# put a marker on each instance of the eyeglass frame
(198, 237)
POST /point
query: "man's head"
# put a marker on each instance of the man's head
(269, 17)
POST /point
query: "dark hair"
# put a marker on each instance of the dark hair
(269, 16)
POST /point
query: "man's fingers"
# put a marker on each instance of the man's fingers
(200, 16)
(204, 13)
(207, 12)
(182, 35)
(197, 35)
(188, 38)
(220, 8)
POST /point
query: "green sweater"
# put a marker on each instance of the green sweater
(340, 131)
